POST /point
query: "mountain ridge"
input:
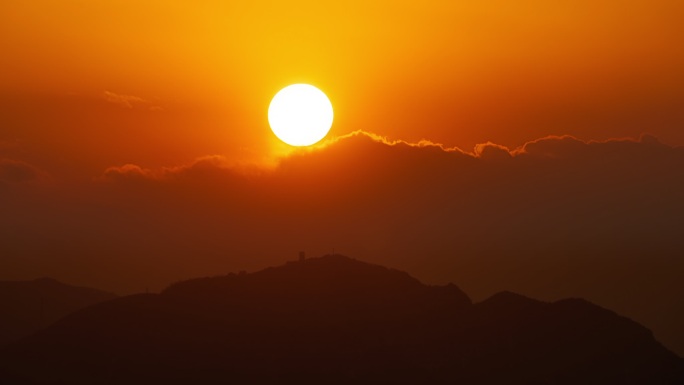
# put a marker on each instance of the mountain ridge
(340, 321)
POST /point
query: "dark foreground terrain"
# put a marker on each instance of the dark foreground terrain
(335, 320)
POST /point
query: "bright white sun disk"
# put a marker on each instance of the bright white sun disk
(300, 115)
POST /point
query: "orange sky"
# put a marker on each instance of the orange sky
(164, 82)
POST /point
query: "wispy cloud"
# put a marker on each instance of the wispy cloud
(127, 101)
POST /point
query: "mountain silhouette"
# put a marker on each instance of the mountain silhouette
(335, 320)
(28, 306)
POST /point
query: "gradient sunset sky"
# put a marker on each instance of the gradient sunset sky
(195, 78)
(530, 145)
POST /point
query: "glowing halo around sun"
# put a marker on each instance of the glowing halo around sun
(300, 115)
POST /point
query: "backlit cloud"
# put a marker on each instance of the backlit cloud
(201, 168)
(127, 171)
(492, 151)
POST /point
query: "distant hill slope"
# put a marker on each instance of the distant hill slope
(28, 306)
(334, 320)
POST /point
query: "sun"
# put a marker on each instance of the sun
(300, 115)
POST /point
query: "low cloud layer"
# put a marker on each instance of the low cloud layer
(556, 217)
(212, 165)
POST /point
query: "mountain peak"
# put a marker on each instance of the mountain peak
(318, 282)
